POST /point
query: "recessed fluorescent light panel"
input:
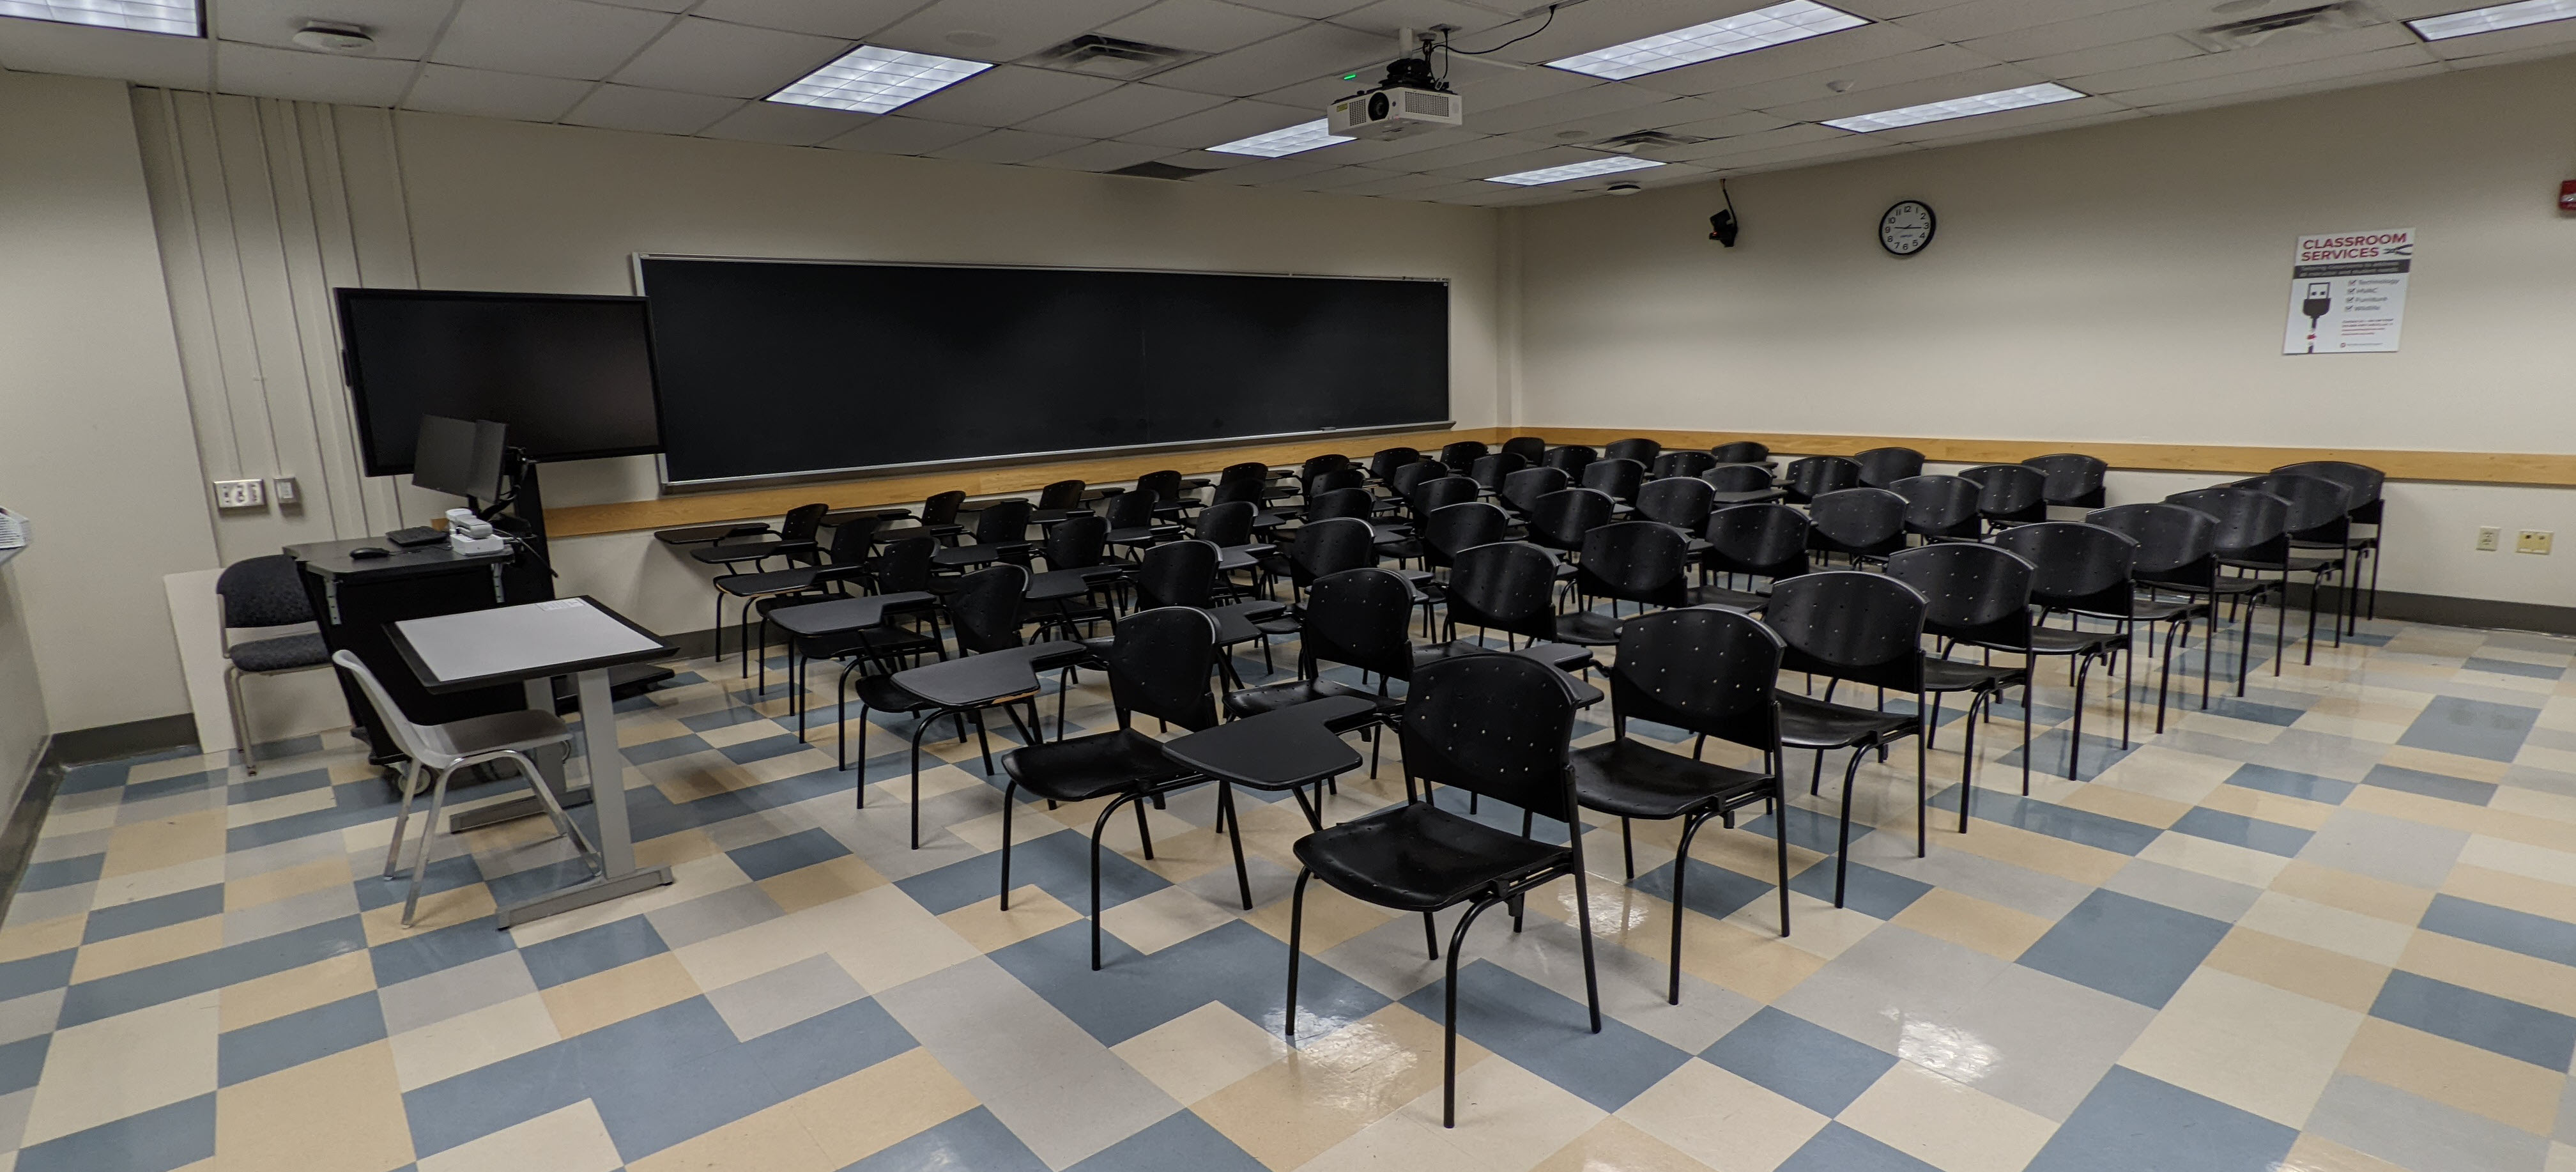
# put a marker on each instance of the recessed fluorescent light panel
(1606, 165)
(1305, 136)
(871, 80)
(175, 17)
(2492, 20)
(1743, 32)
(1994, 103)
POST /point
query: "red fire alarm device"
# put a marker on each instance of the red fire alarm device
(2567, 196)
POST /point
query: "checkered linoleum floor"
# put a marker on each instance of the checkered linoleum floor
(2329, 927)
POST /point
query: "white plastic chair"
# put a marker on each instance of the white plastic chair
(446, 748)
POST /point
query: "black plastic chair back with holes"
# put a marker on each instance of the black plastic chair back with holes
(1499, 726)
(1131, 510)
(1318, 465)
(1738, 478)
(1329, 547)
(1003, 522)
(1160, 664)
(1335, 480)
(1522, 490)
(1528, 447)
(1682, 502)
(1506, 586)
(2073, 479)
(1164, 484)
(1462, 455)
(1431, 496)
(1635, 561)
(2075, 566)
(1408, 477)
(1227, 524)
(1341, 502)
(2176, 546)
(1702, 670)
(1252, 470)
(1489, 470)
(1076, 543)
(1387, 460)
(1638, 448)
(1815, 476)
(265, 591)
(1939, 506)
(988, 607)
(1864, 522)
(1970, 591)
(1228, 491)
(941, 508)
(1740, 452)
(2009, 492)
(1618, 476)
(2320, 509)
(1061, 495)
(850, 542)
(1361, 618)
(1178, 573)
(802, 522)
(1562, 518)
(905, 565)
(1883, 467)
(1570, 459)
(1450, 531)
(1682, 463)
(1766, 541)
(2363, 482)
(2253, 526)
(1865, 628)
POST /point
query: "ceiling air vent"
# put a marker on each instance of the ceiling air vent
(1161, 171)
(1646, 140)
(2252, 31)
(1102, 56)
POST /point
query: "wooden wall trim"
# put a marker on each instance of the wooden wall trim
(2522, 469)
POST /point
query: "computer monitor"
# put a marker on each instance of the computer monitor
(459, 457)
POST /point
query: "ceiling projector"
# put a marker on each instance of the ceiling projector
(1409, 101)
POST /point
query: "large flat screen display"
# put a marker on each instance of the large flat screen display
(572, 377)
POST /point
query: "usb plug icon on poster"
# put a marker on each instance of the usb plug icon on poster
(2348, 292)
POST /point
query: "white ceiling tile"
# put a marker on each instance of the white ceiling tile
(1379, 152)
(1007, 94)
(1102, 156)
(1495, 87)
(625, 107)
(1993, 125)
(2270, 57)
(1471, 153)
(2083, 63)
(1392, 184)
(1206, 160)
(2307, 73)
(1267, 171)
(1717, 150)
(1316, 9)
(1909, 93)
(1200, 26)
(1385, 17)
(1008, 146)
(783, 124)
(1844, 50)
(1331, 179)
(1859, 78)
(1891, 9)
(1966, 130)
(1121, 111)
(1582, 28)
(1658, 116)
(1000, 30)
(1318, 94)
(1514, 161)
(556, 38)
(1223, 124)
(35, 46)
(401, 28)
(309, 77)
(483, 93)
(655, 5)
(1803, 154)
(1602, 99)
(2093, 32)
(845, 19)
(1982, 18)
(1730, 126)
(2334, 83)
(1304, 54)
(702, 56)
(894, 134)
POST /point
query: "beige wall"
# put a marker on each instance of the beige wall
(2125, 282)
(94, 445)
(22, 697)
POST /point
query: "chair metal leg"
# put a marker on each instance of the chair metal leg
(564, 825)
(1449, 1020)
(2128, 675)
(918, 727)
(1681, 871)
(1234, 820)
(241, 725)
(1296, 937)
(1968, 763)
(1099, 827)
(1010, 798)
(1842, 847)
(1780, 837)
(1628, 848)
(1431, 934)
(410, 786)
(420, 866)
(2075, 742)
(1922, 787)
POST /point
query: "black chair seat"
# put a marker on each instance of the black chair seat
(1953, 675)
(2160, 610)
(1057, 585)
(1809, 723)
(884, 695)
(749, 551)
(1588, 629)
(2295, 565)
(1719, 596)
(1561, 656)
(1143, 534)
(2358, 543)
(1634, 780)
(2069, 641)
(887, 641)
(284, 653)
(773, 582)
(1084, 768)
(976, 555)
(1288, 694)
(1417, 857)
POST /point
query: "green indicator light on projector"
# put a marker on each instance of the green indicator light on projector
(1350, 77)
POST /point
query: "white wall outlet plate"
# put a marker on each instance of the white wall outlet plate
(240, 494)
(2488, 536)
(285, 489)
(2532, 541)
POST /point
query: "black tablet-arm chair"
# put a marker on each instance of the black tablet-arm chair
(1639, 449)
(1940, 508)
(1814, 476)
(1741, 452)
(1132, 523)
(1384, 461)
(1489, 470)
(1228, 527)
(1755, 541)
(1068, 595)
(1057, 499)
(1404, 479)
(1001, 534)
(766, 592)
(1528, 447)
(986, 613)
(1883, 467)
(1682, 502)
(2363, 486)
(1522, 490)
(1687, 462)
(1560, 519)
(939, 516)
(2253, 526)
(258, 593)
(1970, 593)
(1462, 455)
(2078, 569)
(1710, 672)
(793, 543)
(1496, 726)
(2320, 543)
(2008, 494)
(1158, 664)
(2070, 480)
(1862, 524)
(1633, 561)
(2173, 543)
(1508, 587)
(1620, 478)
(1427, 498)
(1866, 629)
(1359, 618)
(1739, 478)
(1445, 534)
(1570, 459)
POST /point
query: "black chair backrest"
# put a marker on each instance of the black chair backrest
(1340, 502)
(1003, 521)
(1528, 447)
(2075, 566)
(1405, 478)
(1500, 726)
(1939, 506)
(2252, 526)
(2361, 480)
(1521, 490)
(1635, 561)
(1866, 628)
(1881, 467)
(1463, 455)
(941, 508)
(1506, 586)
(1077, 542)
(264, 591)
(1570, 459)
(2074, 479)
(1700, 669)
(1447, 532)
(1682, 463)
(1562, 518)
(2009, 492)
(905, 565)
(1490, 469)
(1061, 495)
(1865, 521)
(1740, 452)
(851, 541)
(1738, 478)
(1970, 591)
(1131, 510)
(1680, 501)
(2320, 509)
(1329, 547)
(1387, 460)
(1439, 493)
(1812, 477)
(1318, 465)
(1245, 489)
(1159, 665)
(1361, 618)
(1252, 470)
(1177, 573)
(2176, 545)
(1766, 541)
(1226, 524)
(1334, 480)
(1639, 449)
(1617, 475)
(802, 522)
(1164, 484)
(987, 608)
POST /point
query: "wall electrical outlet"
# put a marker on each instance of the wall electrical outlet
(240, 494)
(284, 488)
(2488, 536)
(2532, 541)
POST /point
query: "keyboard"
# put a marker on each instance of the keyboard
(415, 536)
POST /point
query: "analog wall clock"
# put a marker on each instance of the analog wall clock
(1906, 227)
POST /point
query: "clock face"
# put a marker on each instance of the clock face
(1906, 227)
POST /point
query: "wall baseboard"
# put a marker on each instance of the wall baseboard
(110, 741)
(2442, 610)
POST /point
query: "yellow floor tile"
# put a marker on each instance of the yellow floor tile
(2246, 1043)
(124, 954)
(1990, 928)
(438, 909)
(1759, 965)
(1156, 921)
(471, 1041)
(2309, 922)
(2446, 764)
(2506, 974)
(2269, 807)
(2377, 898)
(2233, 863)
(2299, 968)
(605, 998)
(1332, 919)
(572, 1139)
(1033, 912)
(821, 883)
(343, 1113)
(296, 990)
(1722, 1120)
(1290, 1111)
(2144, 809)
(255, 890)
(768, 1140)
(1506, 1115)
(2519, 892)
(20, 941)
(2314, 1154)
(1201, 1052)
(2478, 1081)
(2039, 852)
(674, 848)
(1615, 1145)
(858, 1116)
(1945, 1123)
(150, 846)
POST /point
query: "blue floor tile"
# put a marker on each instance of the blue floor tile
(2133, 1123)
(277, 786)
(168, 981)
(2471, 728)
(2523, 932)
(423, 953)
(786, 853)
(2221, 826)
(1181, 1143)
(676, 1072)
(1059, 864)
(663, 750)
(22, 1061)
(591, 950)
(2431, 785)
(154, 1141)
(2512, 667)
(159, 911)
(53, 873)
(746, 752)
(2291, 784)
(1867, 889)
(1840, 1149)
(2484, 1020)
(298, 1038)
(1799, 1060)
(2073, 825)
(90, 778)
(495, 1096)
(1550, 1034)
(445, 874)
(2126, 947)
(2048, 750)
(972, 1142)
(1712, 890)
(36, 974)
(1235, 964)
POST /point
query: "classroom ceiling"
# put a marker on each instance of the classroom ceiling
(703, 68)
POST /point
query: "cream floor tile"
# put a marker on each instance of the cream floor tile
(1721, 1120)
(295, 990)
(2235, 864)
(153, 845)
(1756, 962)
(2309, 922)
(857, 1116)
(285, 805)
(768, 1140)
(821, 883)
(1395, 1141)
(1615, 1145)
(690, 880)
(342, 1113)
(2530, 862)
(1033, 912)
(1154, 922)
(1332, 919)
(2506, 889)
(117, 890)
(2562, 1158)
(473, 1040)
(2478, 1081)
(2506, 974)
(883, 938)
(2127, 805)
(2171, 774)
(256, 890)
(2313, 1153)
(1333, 1087)
(2368, 895)
(2514, 799)
(105, 1070)
(1508, 1118)
(1990, 928)
(2270, 807)
(675, 848)
(2446, 764)
(1818, 928)
(2039, 852)
(1947, 1124)
(606, 998)
(2326, 975)
(2246, 1043)
(572, 1139)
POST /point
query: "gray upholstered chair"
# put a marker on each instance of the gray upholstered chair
(255, 593)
